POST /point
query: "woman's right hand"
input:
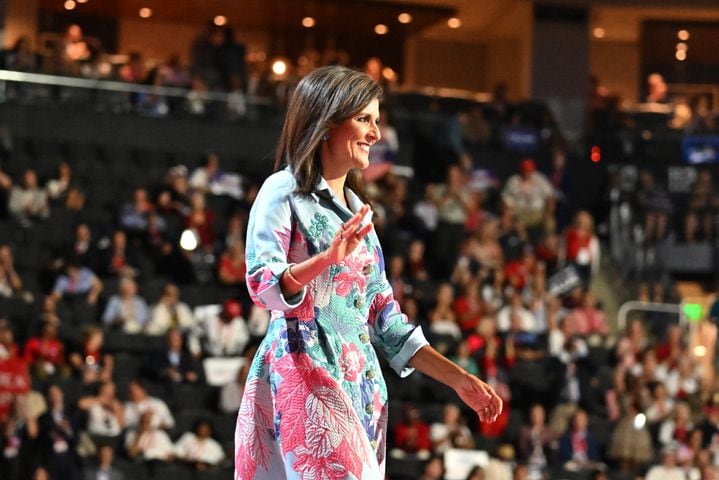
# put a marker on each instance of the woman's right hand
(348, 237)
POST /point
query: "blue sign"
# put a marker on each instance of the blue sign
(521, 139)
(698, 149)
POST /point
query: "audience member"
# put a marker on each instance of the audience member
(173, 364)
(198, 448)
(222, 335)
(126, 310)
(147, 442)
(169, 312)
(28, 201)
(139, 403)
(59, 436)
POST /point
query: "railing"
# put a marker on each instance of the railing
(635, 305)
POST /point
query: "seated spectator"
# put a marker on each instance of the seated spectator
(661, 406)
(172, 363)
(451, 432)
(139, 403)
(464, 358)
(169, 312)
(59, 435)
(587, 319)
(578, 447)
(28, 201)
(441, 317)
(18, 440)
(223, 335)
(10, 281)
(202, 178)
(673, 346)
(118, 260)
(57, 188)
(581, 247)
(654, 205)
(133, 216)
(104, 414)
(488, 251)
(48, 311)
(126, 310)
(45, 354)
(82, 248)
(134, 71)
(537, 441)
(530, 195)
(105, 469)
(701, 208)
(676, 430)
(147, 442)
(198, 448)
(668, 469)
(631, 442)
(411, 435)
(231, 394)
(78, 283)
(20, 57)
(232, 268)
(173, 74)
(8, 347)
(514, 316)
(90, 361)
(433, 469)
(683, 381)
(468, 307)
(201, 219)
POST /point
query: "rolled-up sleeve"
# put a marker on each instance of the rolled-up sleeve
(390, 332)
(269, 233)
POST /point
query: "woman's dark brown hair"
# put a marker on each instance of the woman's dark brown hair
(323, 100)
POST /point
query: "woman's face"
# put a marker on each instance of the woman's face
(349, 143)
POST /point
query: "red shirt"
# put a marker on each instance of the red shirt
(40, 349)
(403, 434)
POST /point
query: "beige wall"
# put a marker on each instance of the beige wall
(617, 65)
(508, 61)
(20, 19)
(438, 63)
(158, 40)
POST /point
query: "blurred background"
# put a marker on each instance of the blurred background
(545, 192)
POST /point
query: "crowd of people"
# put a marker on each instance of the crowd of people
(499, 274)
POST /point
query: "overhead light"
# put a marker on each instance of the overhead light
(308, 22)
(279, 67)
(598, 32)
(404, 17)
(683, 35)
(454, 22)
(145, 12)
(81, 1)
(381, 29)
(70, 5)
(220, 20)
(682, 46)
(681, 55)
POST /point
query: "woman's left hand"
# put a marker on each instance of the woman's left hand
(480, 397)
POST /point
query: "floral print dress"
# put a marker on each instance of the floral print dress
(315, 401)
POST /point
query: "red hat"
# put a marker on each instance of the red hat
(527, 165)
(232, 308)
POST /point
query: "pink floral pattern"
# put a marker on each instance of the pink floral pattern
(351, 361)
(315, 403)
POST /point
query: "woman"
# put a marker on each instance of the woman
(315, 402)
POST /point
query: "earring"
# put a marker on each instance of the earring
(325, 137)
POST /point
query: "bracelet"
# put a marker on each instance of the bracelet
(292, 277)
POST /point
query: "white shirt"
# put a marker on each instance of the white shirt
(161, 319)
(154, 444)
(660, 472)
(190, 448)
(161, 415)
(102, 422)
(219, 339)
(504, 319)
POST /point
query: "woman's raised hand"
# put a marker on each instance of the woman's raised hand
(348, 236)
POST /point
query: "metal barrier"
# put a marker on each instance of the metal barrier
(647, 307)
